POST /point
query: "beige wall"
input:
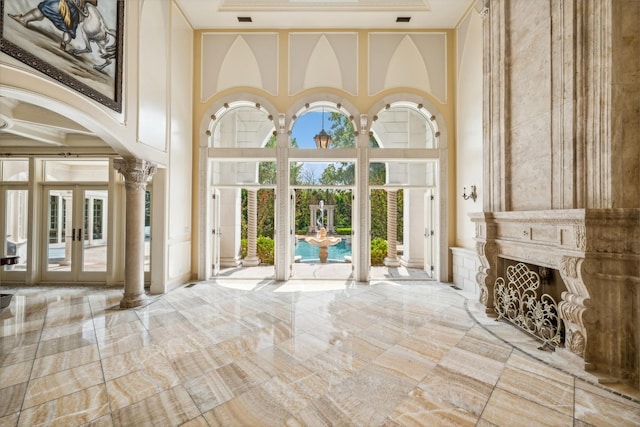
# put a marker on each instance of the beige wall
(468, 125)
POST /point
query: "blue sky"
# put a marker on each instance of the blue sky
(304, 129)
(307, 126)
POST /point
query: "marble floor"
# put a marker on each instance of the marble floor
(300, 353)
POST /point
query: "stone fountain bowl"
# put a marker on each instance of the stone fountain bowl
(5, 300)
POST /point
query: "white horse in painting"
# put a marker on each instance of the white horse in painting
(94, 29)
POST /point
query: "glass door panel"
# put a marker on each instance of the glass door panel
(76, 234)
(13, 228)
(94, 247)
(61, 232)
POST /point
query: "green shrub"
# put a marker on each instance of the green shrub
(243, 248)
(343, 231)
(265, 249)
(378, 251)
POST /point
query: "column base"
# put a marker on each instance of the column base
(132, 301)
(391, 262)
(252, 261)
(230, 262)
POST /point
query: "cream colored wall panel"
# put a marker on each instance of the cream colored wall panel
(462, 38)
(469, 126)
(233, 60)
(323, 68)
(389, 54)
(398, 74)
(181, 130)
(239, 67)
(323, 60)
(153, 65)
(179, 258)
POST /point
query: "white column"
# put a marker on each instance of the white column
(135, 172)
(330, 211)
(392, 229)
(313, 210)
(284, 228)
(252, 259)
(360, 245)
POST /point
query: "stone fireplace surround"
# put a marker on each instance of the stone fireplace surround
(597, 253)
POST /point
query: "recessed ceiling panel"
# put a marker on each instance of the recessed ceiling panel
(265, 5)
(323, 14)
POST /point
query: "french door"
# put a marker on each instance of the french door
(14, 220)
(215, 231)
(430, 247)
(75, 233)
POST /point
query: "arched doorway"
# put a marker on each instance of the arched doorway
(403, 139)
(404, 189)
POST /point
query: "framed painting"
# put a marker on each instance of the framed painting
(76, 42)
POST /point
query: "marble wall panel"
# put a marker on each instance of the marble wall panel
(529, 74)
(625, 93)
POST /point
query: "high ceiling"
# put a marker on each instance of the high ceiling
(316, 14)
(24, 127)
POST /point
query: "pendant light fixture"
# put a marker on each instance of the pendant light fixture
(322, 138)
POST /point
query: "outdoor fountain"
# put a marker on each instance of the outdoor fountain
(323, 241)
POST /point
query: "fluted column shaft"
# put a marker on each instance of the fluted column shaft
(135, 172)
(392, 229)
(252, 259)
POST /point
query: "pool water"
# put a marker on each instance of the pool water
(309, 252)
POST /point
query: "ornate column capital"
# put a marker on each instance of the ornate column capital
(135, 172)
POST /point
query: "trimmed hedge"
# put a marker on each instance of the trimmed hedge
(343, 231)
(378, 251)
(264, 248)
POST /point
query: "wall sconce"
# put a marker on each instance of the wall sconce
(472, 195)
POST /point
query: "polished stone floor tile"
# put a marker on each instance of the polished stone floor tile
(140, 384)
(72, 409)
(419, 410)
(65, 360)
(15, 374)
(595, 407)
(301, 353)
(507, 409)
(171, 407)
(54, 386)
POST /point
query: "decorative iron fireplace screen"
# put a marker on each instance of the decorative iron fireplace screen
(516, 300)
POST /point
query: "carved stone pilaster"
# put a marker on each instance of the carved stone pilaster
(487, 251)
(486, 275)
(574, 304)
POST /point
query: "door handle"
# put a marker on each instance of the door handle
(79, 234)
(73, 234)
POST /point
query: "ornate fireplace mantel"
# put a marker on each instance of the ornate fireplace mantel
(597, 253)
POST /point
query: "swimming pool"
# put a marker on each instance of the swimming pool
(309, 252)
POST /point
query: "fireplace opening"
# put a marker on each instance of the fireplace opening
(527, 296)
